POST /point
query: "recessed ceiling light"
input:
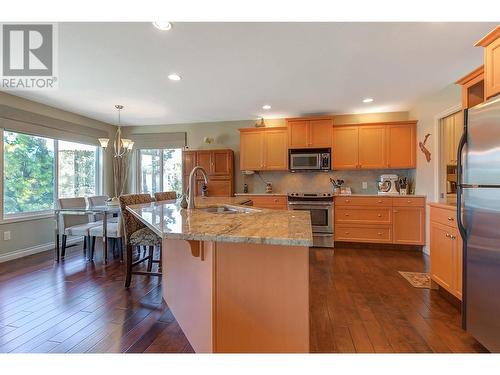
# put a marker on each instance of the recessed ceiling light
(368, 100)
(267, 106)
(162, 25)
(174, 77)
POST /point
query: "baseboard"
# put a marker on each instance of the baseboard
(34, 250)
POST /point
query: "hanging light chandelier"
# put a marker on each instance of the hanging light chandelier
(121, 145)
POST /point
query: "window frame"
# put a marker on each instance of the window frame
(38, 215)
(139, 167)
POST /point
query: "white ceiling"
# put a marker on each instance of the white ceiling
(230, 70)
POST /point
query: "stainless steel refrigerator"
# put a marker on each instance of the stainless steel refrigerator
(479, 200)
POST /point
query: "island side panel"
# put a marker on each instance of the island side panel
(188, 289)
(262, 298)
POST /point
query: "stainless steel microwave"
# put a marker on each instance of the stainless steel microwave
(313, 159)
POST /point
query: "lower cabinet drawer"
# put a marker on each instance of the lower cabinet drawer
(444, 216)
(360, 233)
(362, 215)
(272, 202)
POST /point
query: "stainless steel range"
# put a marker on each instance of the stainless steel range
(320, 206)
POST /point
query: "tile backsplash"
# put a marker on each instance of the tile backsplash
(284, 182)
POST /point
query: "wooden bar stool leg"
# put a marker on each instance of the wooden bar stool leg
(128, 276)
(150, 260)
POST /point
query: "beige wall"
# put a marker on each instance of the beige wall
(427, 111)
(35, 235)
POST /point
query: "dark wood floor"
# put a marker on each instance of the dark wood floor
(359, 303)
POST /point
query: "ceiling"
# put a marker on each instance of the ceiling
(230, 70)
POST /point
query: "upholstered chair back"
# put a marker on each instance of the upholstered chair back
(98, 200)
(129, 222)
(72, 220)
(165, 196)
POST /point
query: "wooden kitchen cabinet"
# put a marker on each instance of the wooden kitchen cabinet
(491, 44)
(264, 149)
(401, 145)
(219, 166)
(310, 132)
(371, 147)
(409, 225)
(452, 129)
(345, 147)
(472, 88)
(375, 146)
(446, 250)
(375, 219)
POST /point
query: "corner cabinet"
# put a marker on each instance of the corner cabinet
(491, 44)
(310, 132)
(264, 149)
(446, 250)
(375, 146)
(219, 165)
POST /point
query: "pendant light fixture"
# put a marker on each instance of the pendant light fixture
(121, 145)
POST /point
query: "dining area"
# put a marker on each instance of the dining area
(105, 220)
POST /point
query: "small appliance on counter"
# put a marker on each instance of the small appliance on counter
(387, 184)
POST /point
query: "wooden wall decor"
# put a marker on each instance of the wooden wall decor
(424, 149)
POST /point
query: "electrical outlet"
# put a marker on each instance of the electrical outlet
(6, 235)
(365, 185)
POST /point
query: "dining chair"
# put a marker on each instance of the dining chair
(114, 233)
(100, 200)
(75, 225)
(165, 196)
(136, 235)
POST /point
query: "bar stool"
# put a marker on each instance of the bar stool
(165, 196)
(136, 235)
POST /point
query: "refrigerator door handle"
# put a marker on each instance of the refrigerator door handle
(461, 145)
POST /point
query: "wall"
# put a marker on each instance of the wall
(34, 235)
(427, 111)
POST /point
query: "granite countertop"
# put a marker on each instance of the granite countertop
(448, 206)
(340, 195)
(249, 225)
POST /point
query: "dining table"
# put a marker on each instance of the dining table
(104, 210)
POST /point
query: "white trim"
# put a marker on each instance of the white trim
(16, 254)
(29, 216)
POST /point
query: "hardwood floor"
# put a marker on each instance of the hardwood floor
(359, 303)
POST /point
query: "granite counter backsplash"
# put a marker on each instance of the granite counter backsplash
(320, 181)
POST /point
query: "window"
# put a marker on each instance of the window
(160, 170)
(31, 185)
(77, 166)
(28, 173)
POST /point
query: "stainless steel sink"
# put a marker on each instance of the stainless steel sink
(227, 210)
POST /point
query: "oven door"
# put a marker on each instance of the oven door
(321, 215)
(305, 161)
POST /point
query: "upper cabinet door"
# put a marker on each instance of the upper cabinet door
(401, 145)
(204, 159)
(320, 133)
(188, 161)
(298, 134)
(491, 44)
(222, 162)
(372, 153)
(345, 147)
(251, 150)
(275, 150)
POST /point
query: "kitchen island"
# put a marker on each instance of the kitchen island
(236, 278)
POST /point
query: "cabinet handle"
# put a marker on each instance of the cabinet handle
(452, 236)
(346, 214)
(347, 200)
(379, 215)
(450, 219)
(396, 211)
(379, 201)
(346, 232)
(408, 201)
(448, 235)
(275, 201)
(379, 233)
